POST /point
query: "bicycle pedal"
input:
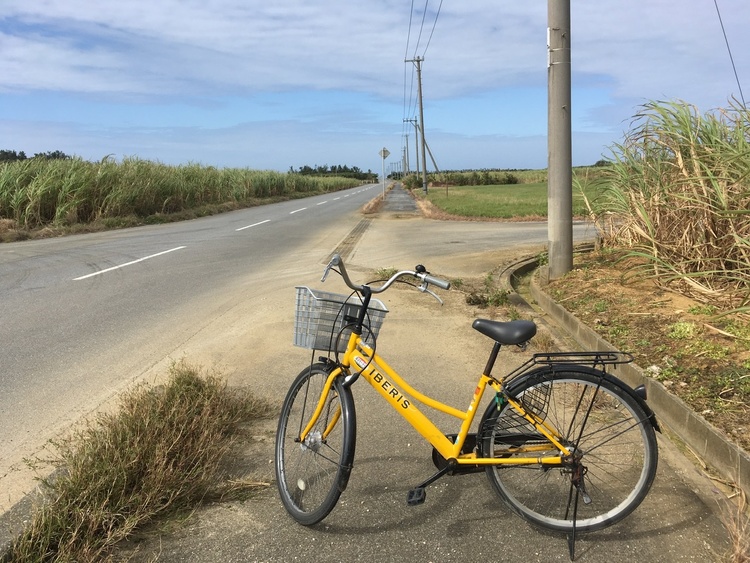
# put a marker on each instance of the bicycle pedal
(416, 496)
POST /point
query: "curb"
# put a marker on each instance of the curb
(707, 442)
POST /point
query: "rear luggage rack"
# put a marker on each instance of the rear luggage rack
(595, 359)
(601, 357)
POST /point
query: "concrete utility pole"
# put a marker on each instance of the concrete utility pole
(560, 160)
(418, 63)
(416, 141)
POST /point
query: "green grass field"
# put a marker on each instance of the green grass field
(506, 201)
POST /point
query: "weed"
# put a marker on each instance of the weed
(618, 330)
(682, 330)
(737, 524)
(383, 274)
(707, 349)
(544, 342)
(740, 330)
(156, 455)
(493, 298)
(707, 310)
(514, 314)
(497, 297)
(601, 306)
(477, 299)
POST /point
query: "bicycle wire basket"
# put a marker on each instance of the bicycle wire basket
(321, 319)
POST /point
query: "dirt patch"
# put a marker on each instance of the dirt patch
(700, 353)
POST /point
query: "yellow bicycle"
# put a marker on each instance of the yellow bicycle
(567, 446)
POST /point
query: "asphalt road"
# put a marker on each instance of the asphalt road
(83, 316)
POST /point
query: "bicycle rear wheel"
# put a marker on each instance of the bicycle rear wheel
(608, 433)
(311, 475)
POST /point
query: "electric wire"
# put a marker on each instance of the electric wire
(421, 28)
(434, 24)
(729, 50)
(410, 101)
(407, 98)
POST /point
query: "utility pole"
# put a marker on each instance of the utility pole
(418, 63)
(416, 140)
(559, 152)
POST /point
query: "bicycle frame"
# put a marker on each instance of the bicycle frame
(401, 396)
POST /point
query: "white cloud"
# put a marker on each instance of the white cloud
(202, 72)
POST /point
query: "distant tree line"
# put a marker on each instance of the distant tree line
(474, 177)
(12, 156)
(336, 170)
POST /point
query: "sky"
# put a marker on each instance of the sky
(281, 84)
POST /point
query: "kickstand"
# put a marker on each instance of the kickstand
(572, 544)
(572, 533)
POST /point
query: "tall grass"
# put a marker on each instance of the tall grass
(39, 192)
(679, 195)
(158, 454)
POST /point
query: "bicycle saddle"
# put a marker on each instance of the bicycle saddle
(508, 332)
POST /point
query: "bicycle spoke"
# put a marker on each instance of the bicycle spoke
(311, 473)
(612, 452)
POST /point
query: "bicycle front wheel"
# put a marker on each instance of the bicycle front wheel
(610, 437)
(312, 474)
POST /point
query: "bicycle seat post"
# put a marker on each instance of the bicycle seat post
(493, 357)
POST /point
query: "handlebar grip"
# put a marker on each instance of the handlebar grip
(442, 284)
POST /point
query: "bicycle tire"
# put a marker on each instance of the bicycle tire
(601, 421)
(311, 476)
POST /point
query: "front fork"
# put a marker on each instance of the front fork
(320, 407)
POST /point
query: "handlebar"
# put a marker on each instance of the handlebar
(419, 272)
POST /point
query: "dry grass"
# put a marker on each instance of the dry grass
(373, 206)
(735, 520)
(157, 455)
(679, 195)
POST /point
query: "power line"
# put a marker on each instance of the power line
(421, 27)
(433, 28)
(408, 34)
(734, 68)
(409, 100)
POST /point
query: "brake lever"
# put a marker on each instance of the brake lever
(325, 272)
(424, 289)
(334, 261)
